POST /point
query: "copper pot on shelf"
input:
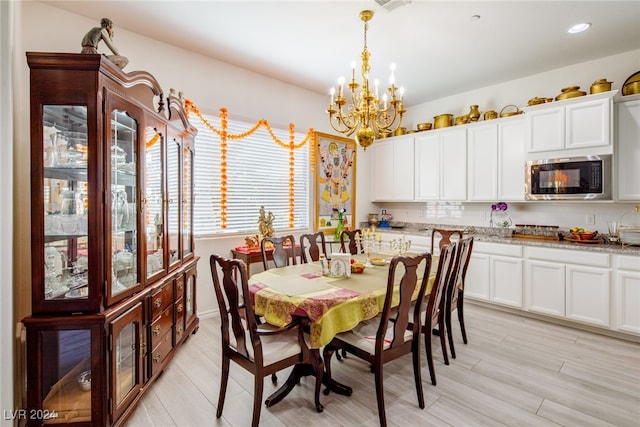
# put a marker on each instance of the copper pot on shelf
(599, 86)
(510, 113)
(442, 121)
(631, 86)
(462, 120)
(490, 115)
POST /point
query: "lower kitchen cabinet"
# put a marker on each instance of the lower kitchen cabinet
(495, 274)
(627, 293)
(570, 284)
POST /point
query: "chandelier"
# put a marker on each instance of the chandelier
(368, 115)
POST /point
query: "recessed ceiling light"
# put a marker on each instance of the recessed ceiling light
(578, 28)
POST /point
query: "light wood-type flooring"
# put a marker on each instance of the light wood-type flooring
(514, 371)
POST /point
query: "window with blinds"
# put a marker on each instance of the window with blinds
(257, 175)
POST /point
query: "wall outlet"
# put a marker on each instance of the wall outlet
(590, 219)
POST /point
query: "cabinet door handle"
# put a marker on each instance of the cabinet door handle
(180, 286)
(143, 348)
(178, 330)
(156, 357)
(180, 308)
(157, 303)
(156, 330)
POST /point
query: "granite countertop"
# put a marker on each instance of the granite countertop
(503, 235)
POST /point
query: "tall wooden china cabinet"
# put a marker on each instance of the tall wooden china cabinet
(114, 270)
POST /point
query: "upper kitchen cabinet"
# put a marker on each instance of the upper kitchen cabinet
(441, 165)
(576, 126)
(496, 159)
(627, 152)
(392, 173)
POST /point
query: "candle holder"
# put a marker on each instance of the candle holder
(400, 245)
(369, 240)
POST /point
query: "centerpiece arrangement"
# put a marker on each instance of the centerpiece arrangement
(499, 216)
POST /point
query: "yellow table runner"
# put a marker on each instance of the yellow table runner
(333, 305)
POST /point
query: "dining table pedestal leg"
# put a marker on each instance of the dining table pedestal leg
(308, 369)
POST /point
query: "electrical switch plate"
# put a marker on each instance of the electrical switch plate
(590, 219)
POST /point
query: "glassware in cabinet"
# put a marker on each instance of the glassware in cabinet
(122, 194)
(153, 202)
(173, 197)
(64, 205)
(187, 201)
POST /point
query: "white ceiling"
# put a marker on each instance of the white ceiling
(438, 49)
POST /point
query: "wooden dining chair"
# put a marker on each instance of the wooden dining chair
(280, 253)
(445, 237)
(436, 305)
(387, 337)
(260, 349)
(312, 245)
(455, 293)
(353, 246)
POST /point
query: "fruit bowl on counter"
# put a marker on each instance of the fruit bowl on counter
(578, 234)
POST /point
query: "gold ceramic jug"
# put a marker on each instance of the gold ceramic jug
(474, 113)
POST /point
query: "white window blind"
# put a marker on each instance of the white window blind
(257, 175)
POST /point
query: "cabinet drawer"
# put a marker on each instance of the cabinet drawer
(627, 262)
(161, 299)
(567, 256)
(161, 325)
(498, 249)
(160, 353)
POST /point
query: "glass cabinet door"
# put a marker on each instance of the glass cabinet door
(190, 296)
(153, 201)
(126, 358)
(187, 202)
(123, 201)
(61, 370)
(173, 198)
(65, 192)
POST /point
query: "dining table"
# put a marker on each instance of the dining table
(329, 305)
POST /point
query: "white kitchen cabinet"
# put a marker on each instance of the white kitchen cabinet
(482, 158)
(441, 165)
(496, 159)
(495, 274)
(544, 287)
(588, 294)
(572, 125)
(627, 152)
(392, 172)
(627, 293)
(570, 284)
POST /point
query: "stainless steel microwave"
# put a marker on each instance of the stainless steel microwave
(572, 178)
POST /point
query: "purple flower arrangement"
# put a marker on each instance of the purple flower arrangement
(500, 206)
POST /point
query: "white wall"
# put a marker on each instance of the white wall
(6, 216)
